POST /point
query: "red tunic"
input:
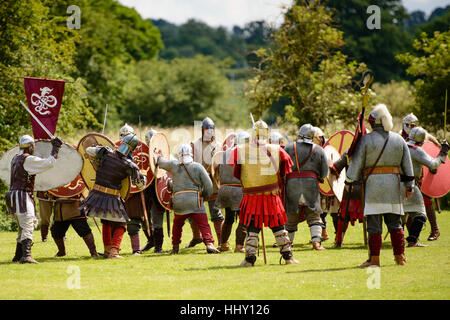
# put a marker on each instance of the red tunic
(267, 209)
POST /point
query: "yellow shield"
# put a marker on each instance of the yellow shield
(89, 170)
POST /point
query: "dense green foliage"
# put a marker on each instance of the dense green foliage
(431, 67)
(306, 66)
(195, 37)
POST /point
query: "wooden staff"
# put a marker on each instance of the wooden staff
(263, 244)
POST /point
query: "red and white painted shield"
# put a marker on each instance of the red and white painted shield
(435, 185)
(228, 142)
(334, 147)
(72, 189)
(142, 159)
(163, 193)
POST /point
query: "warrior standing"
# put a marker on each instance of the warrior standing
(156, 211)
(203, 150)
(302, 188)
(19, 198)
(229, 197)
(261, 168)
(66, 214)
(191, 183)
(134, 208)
(351, 206)
(104, 200)
(382, 161)
(414, 206)
(327, 203)
(409, 122)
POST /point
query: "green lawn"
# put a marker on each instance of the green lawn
(194, 274)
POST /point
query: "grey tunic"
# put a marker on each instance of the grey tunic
(383, 193)
(185, 203)
(305, 189)
(228, 196)
(419, 158)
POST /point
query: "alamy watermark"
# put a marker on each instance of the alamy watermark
(374, 20)
(374, 279)
(74, 21)
(74, 280)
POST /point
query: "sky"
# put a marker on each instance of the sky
(229, 13)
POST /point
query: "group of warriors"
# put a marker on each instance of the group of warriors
(256, 179)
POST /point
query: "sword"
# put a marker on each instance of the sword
(253, 120)
(287, 138)
(38, 121)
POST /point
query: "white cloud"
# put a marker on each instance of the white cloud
(213, 12)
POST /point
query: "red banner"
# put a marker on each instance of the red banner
(44, 99)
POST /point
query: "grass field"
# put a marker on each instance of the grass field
(194, 274)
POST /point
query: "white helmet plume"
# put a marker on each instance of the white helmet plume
(382, 116)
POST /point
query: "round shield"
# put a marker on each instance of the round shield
(142, 160)
(334, 148)
(66, 168)
(158, 145)
(70, 190)
(163, 193)
(435, 185)
(89, 170)
(228, 142)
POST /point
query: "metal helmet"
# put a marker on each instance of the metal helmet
(149, 135)
(129, 143)
(380, 116)
(275, 138)
(319, 136)
(126, 129)
(409, 122)
(26, 141)
(306, 133)
(260, 130)
(242, 137)
(417, 136)
(185, 154)
(207, 123)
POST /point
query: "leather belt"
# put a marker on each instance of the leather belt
(270, 188)
(302, 174)
(231, 185)
(199, 194)
(381, 170)
(107, 190)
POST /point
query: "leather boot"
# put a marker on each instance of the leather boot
(107, 252)
(218, 229)
(90, 243)
(44, 232)
(325, 235)
(18, 253)
(226, 231)
(26, 248)
(159, 240)
(241, 233)
(196, 236)
(317, 246)
(135, 244)
(150, 240)
(431, 215)
(400, 259)
(372, 261)
(61, 247)
(239, 248)
(114, 253)
(210, 248)
(175, 249)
